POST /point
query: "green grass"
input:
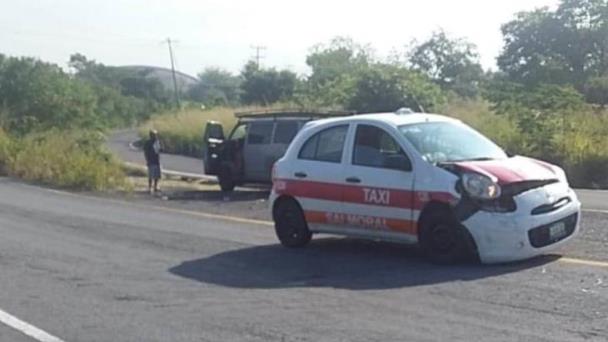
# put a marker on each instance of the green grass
(581, 147)
(73, 160)
(181, 132)
(579, 144)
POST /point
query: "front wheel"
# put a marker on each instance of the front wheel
(443, 239)
(290, 225)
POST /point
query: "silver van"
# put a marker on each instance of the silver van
(258, 140)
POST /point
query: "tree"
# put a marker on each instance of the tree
(266, 86)
(38, 95)
(130, 82)
(386, 88)
(566, 46)
(335, 67)
(216, 87)
(451, 63)
(341, 57)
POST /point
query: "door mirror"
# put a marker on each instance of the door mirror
(397, 162)
(213, 131)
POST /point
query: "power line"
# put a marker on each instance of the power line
(258, 56)
(170, 45)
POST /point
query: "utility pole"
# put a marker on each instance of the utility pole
(170, 44)
(258, 56)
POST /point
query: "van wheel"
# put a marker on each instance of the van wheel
(290, 225)
(226, 180)
(443, 239)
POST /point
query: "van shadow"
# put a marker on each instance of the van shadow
(336, 263)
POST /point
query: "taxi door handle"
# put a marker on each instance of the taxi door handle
(353, 180)
(300, 175)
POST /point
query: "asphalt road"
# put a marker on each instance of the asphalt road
(119, 142)
(94, 269)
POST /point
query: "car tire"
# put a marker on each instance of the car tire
(443, 239)
(226, 180)
(290, 224)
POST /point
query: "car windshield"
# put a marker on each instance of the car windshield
(449, 142)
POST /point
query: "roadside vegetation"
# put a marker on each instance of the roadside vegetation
(181, 131)
(547, 100)
(52, 123)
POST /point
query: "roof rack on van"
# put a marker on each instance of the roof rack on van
(291, 113)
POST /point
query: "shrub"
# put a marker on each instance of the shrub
(4, 151)
(65, 159)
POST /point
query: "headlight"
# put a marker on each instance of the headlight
(480, 186)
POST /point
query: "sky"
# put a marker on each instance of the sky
(221, 33)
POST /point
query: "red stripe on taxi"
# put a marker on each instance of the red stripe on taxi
(370, 222)
(404, 199)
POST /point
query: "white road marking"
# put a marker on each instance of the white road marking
(585, 262)
(595, 211)
(26, 328)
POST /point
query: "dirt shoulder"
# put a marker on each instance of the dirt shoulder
(203, 196)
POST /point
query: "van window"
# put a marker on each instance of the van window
(285, 132)
(240, 132)
(260, 132)
(326, 145)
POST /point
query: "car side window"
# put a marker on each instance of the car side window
(326, 145)
(285, 132)
(260, 133)
(374, 147)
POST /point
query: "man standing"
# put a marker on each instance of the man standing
(152, 154)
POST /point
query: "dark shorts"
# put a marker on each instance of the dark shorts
(154, 171)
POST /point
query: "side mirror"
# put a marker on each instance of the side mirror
(398, 162)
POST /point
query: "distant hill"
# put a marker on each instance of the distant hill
(184, 81)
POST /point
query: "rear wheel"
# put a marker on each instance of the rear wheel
(226, 179)
(443, 239)
(290, 224)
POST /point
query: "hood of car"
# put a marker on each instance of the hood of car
(511, 170)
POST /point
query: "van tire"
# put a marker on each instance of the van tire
(443, 239)
(226, 180)
(290, 224)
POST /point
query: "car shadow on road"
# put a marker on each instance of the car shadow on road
(219, 196)
(337, 263)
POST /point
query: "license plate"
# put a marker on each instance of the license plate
(558, 230)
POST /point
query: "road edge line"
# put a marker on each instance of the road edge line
(166, 209)
(26, 328)
(598, 211)
(585, 262)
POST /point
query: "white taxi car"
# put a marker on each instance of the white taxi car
(420, 178)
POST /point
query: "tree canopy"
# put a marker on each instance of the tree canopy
(451, 63)
(266, 86)
(216, 87)
(565, 46)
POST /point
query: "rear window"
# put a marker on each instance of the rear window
(285, 132)
(326, 145)
(260, 133)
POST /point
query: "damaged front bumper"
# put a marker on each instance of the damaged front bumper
(544, 219)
